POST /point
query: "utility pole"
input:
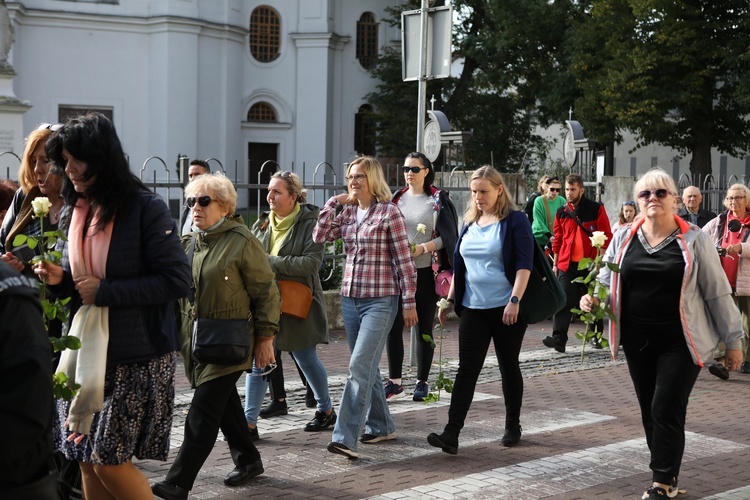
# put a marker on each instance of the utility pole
(422, 95)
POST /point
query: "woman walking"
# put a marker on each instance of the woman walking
(493, 262)
(379, 269)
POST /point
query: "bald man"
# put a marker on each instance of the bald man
(691, 212)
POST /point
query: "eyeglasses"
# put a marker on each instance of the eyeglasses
(264, 371)
(735, 198)
(355, 177)
(203, 201)
(631, 203)
(413, 170)
(659, 193)
(50, 126)
(556, 190)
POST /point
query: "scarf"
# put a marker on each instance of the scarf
(280, 228)
(87, 366)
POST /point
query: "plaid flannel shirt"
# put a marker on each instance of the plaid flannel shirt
(378, 254)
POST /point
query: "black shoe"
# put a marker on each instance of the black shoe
(448, 443)
(274, 409)
(169, 490)
(719, 370)
(512, 435)
(557, 344)
(243, 473)
(310, 398)
(596, 343)
(321, 421)
(342, 449)
(254, 436)
(745, 368)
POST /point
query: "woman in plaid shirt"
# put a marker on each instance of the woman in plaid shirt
(379, 269)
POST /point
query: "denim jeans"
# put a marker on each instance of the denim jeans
(315, 372)
(367, 322)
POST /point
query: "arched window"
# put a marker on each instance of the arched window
(364, 131)
(261, 112)
(367, 40)
(265, 33)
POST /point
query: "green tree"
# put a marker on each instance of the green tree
(672, 72)
(513, 77)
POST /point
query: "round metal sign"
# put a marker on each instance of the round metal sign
(432, 140)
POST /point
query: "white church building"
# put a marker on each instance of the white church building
(241, 81)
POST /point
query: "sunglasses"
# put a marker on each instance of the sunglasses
(556, 190)
(659, 193)
(264, 371)
(631, 203)
(413, 170)
(52, 127)
(203, 201)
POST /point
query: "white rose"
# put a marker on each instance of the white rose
(41, 206)
(443, 304)
(421, 228)
(598, 239)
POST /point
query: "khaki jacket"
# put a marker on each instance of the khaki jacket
(232, 280)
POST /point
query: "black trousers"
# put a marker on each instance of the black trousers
(426, 300)
(574, 292)
(663, 375)
(276, 378)
(475, 330)
(216, 405)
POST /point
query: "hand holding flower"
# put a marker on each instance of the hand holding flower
(421, 228)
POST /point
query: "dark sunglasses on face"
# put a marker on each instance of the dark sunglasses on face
(556, 190)
(413, 170)
(659, 193)
(631, 203)
(203, 201)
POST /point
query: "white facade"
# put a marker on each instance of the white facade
(179, 77)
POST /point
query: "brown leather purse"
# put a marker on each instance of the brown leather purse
(296, 298)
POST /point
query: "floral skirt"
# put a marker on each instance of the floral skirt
(136, 418)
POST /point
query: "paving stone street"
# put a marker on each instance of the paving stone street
(582, 436)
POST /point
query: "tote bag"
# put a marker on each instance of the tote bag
(544, 295)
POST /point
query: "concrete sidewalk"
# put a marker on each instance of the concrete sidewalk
(582, 437)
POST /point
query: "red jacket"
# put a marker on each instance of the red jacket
(593, 217)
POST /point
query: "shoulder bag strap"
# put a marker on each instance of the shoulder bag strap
(577, 221)
(550, 220)
(190, 254)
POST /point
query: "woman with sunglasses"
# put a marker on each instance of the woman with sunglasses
(421, 203)
(729, 232)
(672, 306)
(124, 269)
(626, 215)
(379, 271)
(231, 280)
(545, 207)
(37, 177)
(286, 235)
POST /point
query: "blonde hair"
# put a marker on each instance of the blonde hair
(221, 189)
(737, 187)
(375, 178)
(503, 205)
(293, 185)
(26, 177)
(655, 178)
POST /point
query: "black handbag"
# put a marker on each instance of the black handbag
(221, 341)
(218, 341)
(544, 295)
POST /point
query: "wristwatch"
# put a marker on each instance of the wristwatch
(514, 300)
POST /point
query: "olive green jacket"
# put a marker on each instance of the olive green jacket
(299, 259)
(232, 280)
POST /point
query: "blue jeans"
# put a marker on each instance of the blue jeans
(315, 373)
(367, 323)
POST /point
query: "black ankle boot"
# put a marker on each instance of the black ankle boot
(446, 441)
(512, 435)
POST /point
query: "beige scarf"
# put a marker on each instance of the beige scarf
(87, 366)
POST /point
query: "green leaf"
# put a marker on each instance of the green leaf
(613, 267)
(32, 243)
(428, 339)
(584, 263)
(19, 240)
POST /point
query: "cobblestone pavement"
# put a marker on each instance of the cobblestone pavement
(582, 437)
